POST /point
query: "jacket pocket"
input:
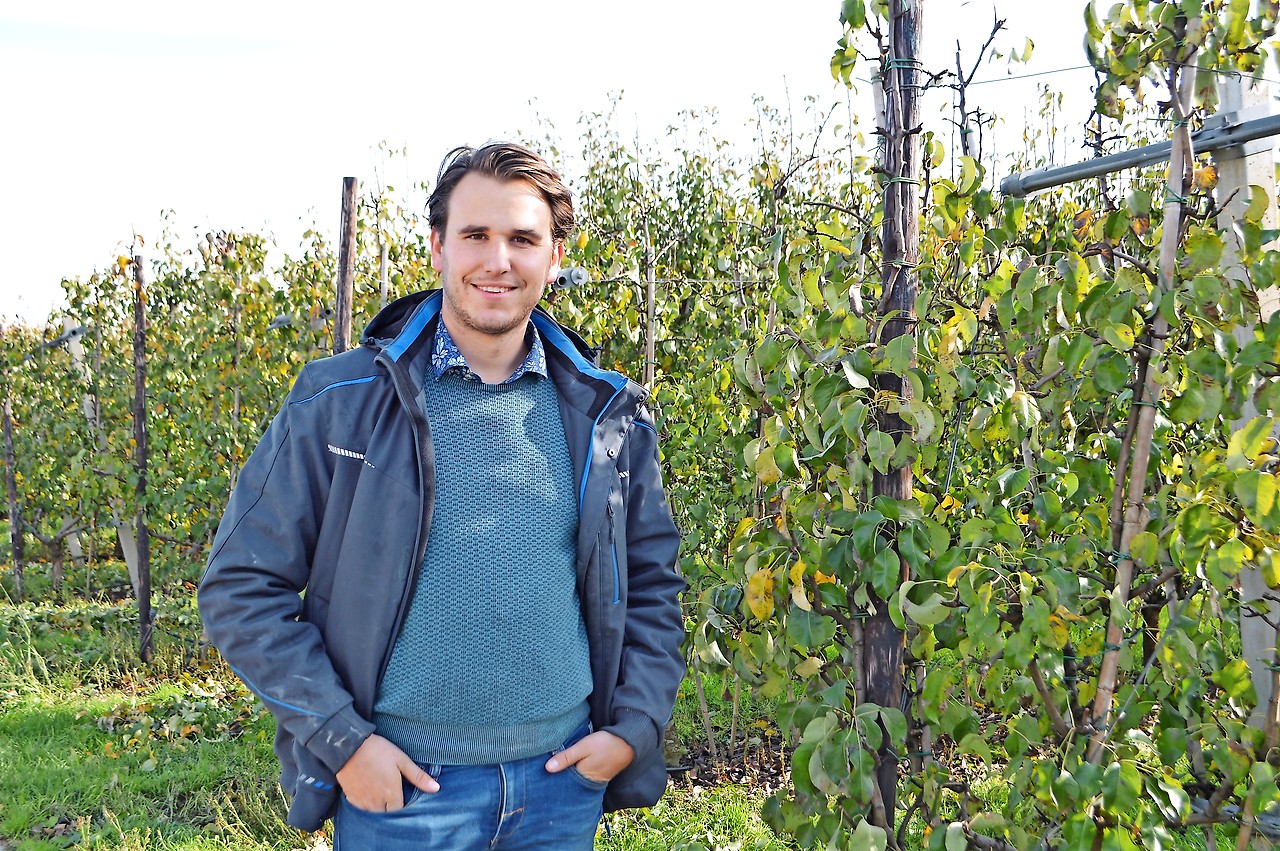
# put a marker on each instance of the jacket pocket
(613, 549)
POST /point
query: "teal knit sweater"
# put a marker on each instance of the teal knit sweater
(492, 662)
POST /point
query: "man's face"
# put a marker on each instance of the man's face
(495, 258)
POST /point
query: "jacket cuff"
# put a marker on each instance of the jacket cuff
(637, 730)
(340, 737)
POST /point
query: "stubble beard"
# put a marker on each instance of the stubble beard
(493, 328)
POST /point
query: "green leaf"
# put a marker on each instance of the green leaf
(1259, 202)
(1121, 786)
(856, 380)
(863, 532)
(1111, 373)
(1257, 492)
(895, 724)
(800, 769)
(1248, 443)
(868, 837)
(880, 448)
(971, 174)
(809, 630)
(1235, 679)
(1145, 549)
(1077, 351)
(1120, 337)
(933, 610)
(1117, 224)
(974, 745)
(853, 13)
(1203, 248)
(884, 572)
(1188, 406)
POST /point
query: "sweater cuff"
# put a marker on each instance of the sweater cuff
(637, 730)
(339, 738)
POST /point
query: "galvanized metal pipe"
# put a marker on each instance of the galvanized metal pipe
(1225, 135)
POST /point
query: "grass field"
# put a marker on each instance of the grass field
(98, 751)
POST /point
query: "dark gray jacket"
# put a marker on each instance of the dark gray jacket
(336, 502)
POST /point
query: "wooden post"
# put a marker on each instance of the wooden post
(140, 455)
(650, 308)
(1146, 398)
(11, 485)
(884, 643)
(384, 285)
(346, 267)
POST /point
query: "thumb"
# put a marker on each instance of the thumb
(567, 757)
(415, 775)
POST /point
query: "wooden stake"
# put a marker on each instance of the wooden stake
(1182, 79)
(346, 267)
(11, 485)
(140, 454)
(885, 643)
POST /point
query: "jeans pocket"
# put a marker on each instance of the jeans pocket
(593, 785)
(409, 792)
(583, 730)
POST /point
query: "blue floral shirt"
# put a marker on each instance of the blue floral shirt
(446, 356)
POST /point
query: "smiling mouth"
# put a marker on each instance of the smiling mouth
(493, 289)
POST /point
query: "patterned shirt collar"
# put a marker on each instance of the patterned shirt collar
(446, 356)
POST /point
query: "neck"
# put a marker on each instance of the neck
(493, 357)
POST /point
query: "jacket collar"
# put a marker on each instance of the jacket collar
(404, 331)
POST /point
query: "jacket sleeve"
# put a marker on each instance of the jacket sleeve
(251, 596)
(653, 662)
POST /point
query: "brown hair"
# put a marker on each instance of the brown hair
(504, 161)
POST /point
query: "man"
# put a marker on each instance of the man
(488, 646)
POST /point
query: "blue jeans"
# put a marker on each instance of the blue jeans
(512, 806)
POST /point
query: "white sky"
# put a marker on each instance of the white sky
(246, 115)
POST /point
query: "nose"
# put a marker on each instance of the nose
(497, 258)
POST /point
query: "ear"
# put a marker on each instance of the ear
(557, 256)
(437, 250)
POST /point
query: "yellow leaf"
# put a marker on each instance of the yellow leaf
(760, 594)
(767, 467)
(823, 579)
(809, 667)
(1059, 630)
(956, 572)
(1206, 178)
(798, 595)
(582, 240)
(1066, 615)
(949, 347)
(1080, 224)
(984, 309)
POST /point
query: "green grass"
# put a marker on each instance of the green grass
(98, 751)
